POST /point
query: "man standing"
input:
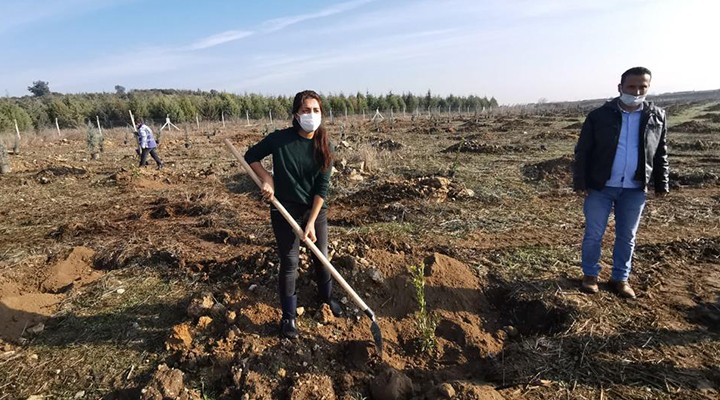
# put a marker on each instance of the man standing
(621, 149)
(147, 144)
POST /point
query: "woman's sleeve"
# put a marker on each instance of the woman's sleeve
(323, 181)
(260, 150)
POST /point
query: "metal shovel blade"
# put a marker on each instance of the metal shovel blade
(377, 336)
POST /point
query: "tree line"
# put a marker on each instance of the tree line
(41, 110)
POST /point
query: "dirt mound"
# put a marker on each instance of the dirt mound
(691, 127)
(62, 170)
(431, 129)
(575, 126)
(514, 124)
(712, 117)
(391, 385)
(75, 270)
(554, 135)
(435, 188)
(388, 144)
(698, 145)
(455, 292)
(23, 310)
(473, 146)
(701, 250)
(166, 384)
(312, 387)
(471, 126)
(50, 174)
(693, 179)
(164, 208)
(715, 107)
(557, 171)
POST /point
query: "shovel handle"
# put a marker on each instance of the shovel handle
(299, 232)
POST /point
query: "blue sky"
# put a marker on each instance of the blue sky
(518, 51)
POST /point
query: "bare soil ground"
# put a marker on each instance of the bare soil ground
(121, 282)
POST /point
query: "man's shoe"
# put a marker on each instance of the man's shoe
(622, 288)
(288, 328)
(589, 284)
(335, 308)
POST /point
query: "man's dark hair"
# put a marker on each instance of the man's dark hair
(635, 71)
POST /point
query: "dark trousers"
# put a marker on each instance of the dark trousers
(288, 246)
(153, 154)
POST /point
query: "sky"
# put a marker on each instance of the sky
(518, 51)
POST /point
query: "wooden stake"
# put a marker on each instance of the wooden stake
(132, 119)
(16, 147)
(247, 117)
(270, 114)
(197, 121)
(97, 118)
(57, 126)
(222, 116)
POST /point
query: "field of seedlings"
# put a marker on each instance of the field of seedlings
(461, 232)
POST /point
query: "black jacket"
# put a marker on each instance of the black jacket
(595, 150)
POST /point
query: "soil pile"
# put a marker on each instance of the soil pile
(473, 146)
(691, 127)
(557, 171)
(24, 308)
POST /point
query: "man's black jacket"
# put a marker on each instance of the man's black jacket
(595, 150)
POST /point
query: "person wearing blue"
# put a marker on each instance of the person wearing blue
(147, 144)
(302, 163)
(621, 150)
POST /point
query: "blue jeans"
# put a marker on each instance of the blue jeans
(628, 205)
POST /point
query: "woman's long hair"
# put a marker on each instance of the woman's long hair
(321, 141)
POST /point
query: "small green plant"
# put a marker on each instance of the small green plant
(357, 396)
(4, 160)
(95, 141)
(426, 321)
(456, 163)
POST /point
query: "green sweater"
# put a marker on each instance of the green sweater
(296, 174)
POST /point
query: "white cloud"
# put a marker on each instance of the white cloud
(281, 23)
(18, 13)
(218, 39)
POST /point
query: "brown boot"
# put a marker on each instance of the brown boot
(622, 288)
(589, 284)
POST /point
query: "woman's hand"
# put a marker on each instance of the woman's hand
(310, 231)
(267, 190)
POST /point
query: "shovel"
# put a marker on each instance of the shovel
(374, 327)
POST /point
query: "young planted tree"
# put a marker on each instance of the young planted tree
(426, 321)
(4, 160)
(95, 141)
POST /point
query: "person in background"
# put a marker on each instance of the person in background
(302, 162)
(622, 148)
(147, 144)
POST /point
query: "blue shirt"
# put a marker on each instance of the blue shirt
(626, 155)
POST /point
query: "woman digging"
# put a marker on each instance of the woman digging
(302, 162)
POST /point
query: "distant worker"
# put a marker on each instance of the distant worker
(302, 161)
(147, 144)
(622, 148)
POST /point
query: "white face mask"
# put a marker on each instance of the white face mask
(310, 122)
(630, 100)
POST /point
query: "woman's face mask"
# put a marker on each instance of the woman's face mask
(309, 122)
